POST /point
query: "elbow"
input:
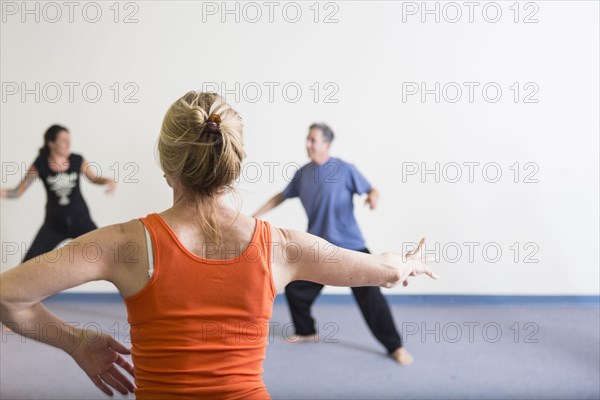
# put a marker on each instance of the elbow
(5, 288)
(5, 296)
(14, 193)
(4, 314)
(5, 306)
(10, 298)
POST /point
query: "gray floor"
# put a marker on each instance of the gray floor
(515, 351)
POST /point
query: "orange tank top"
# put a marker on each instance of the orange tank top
(199, 328)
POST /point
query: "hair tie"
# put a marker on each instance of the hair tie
(213, 125)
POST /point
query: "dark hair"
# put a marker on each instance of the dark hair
(327, 132)
(50, 136)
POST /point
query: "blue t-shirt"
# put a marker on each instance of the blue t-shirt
(326, 193)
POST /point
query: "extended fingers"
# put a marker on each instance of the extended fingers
(98, 382)
(426, 271)
(432, 274)
(118, 375)
(123, 363)
(117, 346)
(112, 381)
(417, 249)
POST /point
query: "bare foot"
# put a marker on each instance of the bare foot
(402, 356)
(6, 329)
(302, 338)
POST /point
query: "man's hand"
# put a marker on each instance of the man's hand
(372, 199)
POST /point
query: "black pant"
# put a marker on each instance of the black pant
(54, 231)
(373, 305)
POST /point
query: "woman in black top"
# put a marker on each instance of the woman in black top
(67, 214)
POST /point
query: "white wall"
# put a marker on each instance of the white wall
(366, 55)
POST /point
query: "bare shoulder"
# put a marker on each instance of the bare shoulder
(118, 243)
(289, 244)
(130, 237)
(127, 249)
(293, 252)
(286, 236)
(129, 228)
(119, 232)
(279, 235)
(282, 272)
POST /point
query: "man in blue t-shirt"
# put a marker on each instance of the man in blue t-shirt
(326, 187)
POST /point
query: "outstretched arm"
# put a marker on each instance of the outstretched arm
(23, 287)
(302, 256)
(95, 178)
(15, 193)
(269, 205)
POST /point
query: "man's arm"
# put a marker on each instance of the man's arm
(269, 205)
(359, 184)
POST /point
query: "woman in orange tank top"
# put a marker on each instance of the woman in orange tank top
(200, 291)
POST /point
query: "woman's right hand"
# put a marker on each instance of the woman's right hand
(411, 264)
(99, 354)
